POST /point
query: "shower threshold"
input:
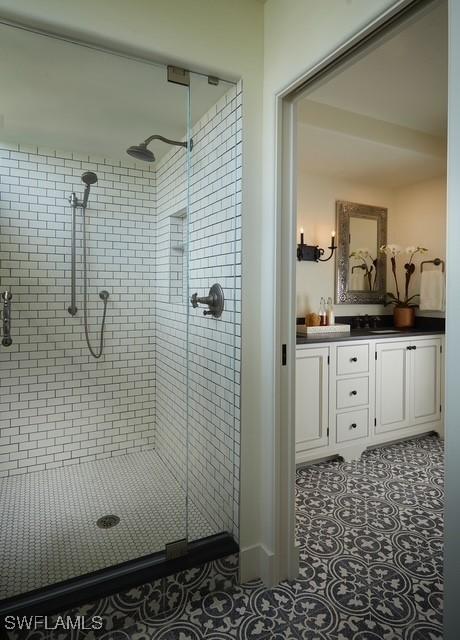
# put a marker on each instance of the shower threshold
(99, 584)
(72, 526)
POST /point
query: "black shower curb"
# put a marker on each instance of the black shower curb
(105, 582)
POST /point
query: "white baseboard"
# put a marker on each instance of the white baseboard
(294, 562)
(258, 562)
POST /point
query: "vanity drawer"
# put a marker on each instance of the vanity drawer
(352, 425)
(352, 392)
(352, 359)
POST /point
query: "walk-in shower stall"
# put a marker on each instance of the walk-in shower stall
(120, 280)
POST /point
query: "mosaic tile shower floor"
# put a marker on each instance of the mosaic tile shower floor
(48, 527)
(370, 565)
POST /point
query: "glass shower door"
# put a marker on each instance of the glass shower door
(213, 230)
(92, 451)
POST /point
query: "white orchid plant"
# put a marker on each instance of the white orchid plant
(393, 251)
(368, 264)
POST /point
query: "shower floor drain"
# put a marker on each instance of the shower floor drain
(107, 522)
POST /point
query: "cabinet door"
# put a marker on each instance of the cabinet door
(392, 386)
(311, 398)
(426, 381)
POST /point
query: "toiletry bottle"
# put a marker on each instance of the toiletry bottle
(330, 312)
(322, 312)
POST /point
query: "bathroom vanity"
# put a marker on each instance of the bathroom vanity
(367, 389)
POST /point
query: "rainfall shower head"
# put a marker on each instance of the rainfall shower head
(140, 151)
(89, 178)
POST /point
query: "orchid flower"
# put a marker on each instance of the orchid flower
(393, 250)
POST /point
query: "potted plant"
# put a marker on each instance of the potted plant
(403, 306)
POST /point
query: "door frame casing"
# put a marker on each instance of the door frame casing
(285, 223)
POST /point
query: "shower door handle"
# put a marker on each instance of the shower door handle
(214, 301)
(6, 318)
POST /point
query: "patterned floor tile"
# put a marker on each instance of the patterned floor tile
(371, 545)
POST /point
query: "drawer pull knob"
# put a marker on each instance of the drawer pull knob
(353, 393)
(353, 425)
(355, 359)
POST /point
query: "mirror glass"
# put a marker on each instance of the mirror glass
(363, 254)
(360, 268)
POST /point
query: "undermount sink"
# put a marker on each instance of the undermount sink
(385, 330)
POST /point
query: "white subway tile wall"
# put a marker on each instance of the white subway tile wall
(214, 236)
(59, 406)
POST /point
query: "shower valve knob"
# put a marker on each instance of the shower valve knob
(214, 300)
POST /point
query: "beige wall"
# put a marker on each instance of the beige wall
(316, 214)
(416, 216)
(419, 218)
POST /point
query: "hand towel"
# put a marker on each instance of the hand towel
(432, 290)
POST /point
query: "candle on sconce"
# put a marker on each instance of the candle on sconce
(301, 235)
(332, 238)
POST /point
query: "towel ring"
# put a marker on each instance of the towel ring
(436, 262)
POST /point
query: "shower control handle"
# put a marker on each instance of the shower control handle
(214, 300)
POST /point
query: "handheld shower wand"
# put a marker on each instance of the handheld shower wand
(88, 178)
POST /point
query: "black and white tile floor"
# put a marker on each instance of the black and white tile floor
(371, 562)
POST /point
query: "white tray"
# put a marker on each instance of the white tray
(332, 328)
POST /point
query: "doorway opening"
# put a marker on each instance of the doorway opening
(364, 178)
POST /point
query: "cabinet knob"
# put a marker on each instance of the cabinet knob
(353, 425)
(353, 393)
(355, 359)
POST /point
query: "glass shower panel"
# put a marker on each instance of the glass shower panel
(92, 451)
(214, 314)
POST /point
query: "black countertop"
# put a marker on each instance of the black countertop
(367, 334)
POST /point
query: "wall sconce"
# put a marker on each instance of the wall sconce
(313, 253)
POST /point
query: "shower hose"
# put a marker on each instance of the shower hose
(103, 295)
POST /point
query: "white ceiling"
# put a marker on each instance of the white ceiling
(68, 97)
(364, 161)
(402, 82)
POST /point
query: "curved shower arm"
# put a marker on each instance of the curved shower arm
(163, 139)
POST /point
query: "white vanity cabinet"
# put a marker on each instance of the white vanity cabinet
(408, 384)
(353, 394)
(311, 399)
(392, 405)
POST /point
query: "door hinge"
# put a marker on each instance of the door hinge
(440, 408)
(440, 348)
(375, 422)
(176, 549)
(177, 75)
(327, 432)
(376, 355)
(283, 355)
(328, 359)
